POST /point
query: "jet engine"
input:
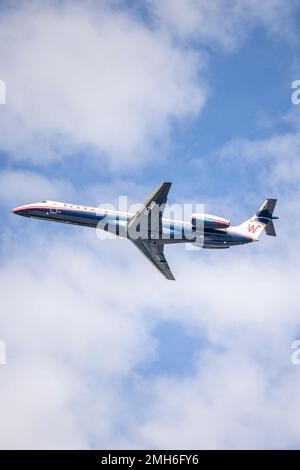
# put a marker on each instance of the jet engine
(207, 221)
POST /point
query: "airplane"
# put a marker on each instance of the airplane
(150, 231)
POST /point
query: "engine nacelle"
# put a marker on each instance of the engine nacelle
(210, 221)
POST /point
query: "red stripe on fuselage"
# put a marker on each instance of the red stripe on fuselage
(67, 209)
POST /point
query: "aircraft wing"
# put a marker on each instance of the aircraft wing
(154, 252)
(148, 219)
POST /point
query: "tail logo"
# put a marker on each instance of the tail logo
(252, 228)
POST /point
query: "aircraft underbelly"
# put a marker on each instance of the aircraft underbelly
(223, 240)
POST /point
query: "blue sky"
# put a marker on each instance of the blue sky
(108, 99)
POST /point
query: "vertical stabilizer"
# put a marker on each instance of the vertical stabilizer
(261, 220)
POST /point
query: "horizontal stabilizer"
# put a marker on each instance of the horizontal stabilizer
(265, 212)
(270, 229)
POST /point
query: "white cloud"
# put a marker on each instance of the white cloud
(230, 403)
(70, 342)
(88, 321)
(35, 397)
(225, 22)
(86, 78)
(21, 186)
(278, 156)
(95, 80)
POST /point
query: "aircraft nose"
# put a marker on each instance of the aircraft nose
(17, 210)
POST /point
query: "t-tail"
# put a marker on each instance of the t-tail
(261, 220)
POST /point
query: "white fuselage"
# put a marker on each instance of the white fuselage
(174, 231)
